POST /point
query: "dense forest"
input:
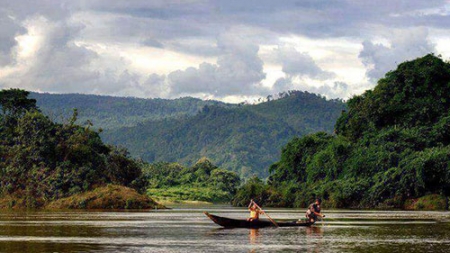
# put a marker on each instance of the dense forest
(53, 165)
(106, 112)
(246, 139)
(391, 147)
(42, 161)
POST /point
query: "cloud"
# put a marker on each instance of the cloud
(299, 64)
(9, 28)
(81, 46)
(332, 18)
(239, 70)
(46, 58)
(155, 86)
(150, 42)
(404, 45)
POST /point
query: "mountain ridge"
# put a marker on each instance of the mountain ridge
(243, 138)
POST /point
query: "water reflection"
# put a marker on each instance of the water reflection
(254, 234)
(314, 231)
(314, 239)
(254, 238)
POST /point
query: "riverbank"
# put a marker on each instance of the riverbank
(429, 202)
(105, 197)
(189, 194)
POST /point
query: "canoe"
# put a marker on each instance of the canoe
(261, 223)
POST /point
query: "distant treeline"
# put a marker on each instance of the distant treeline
(108, 112)
(391, 146)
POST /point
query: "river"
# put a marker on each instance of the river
(187, 229)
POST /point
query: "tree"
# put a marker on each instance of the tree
(14, 102)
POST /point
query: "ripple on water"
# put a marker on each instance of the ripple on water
(189, 230)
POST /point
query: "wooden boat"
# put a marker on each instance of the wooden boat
(234, 223)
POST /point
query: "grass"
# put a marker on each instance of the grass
(106, 197)
(428, 202)
(189, 194)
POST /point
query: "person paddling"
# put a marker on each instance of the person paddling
(314, 211)
(255, 211)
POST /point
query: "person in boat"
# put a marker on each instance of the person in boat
(255, 211)
(313, 211)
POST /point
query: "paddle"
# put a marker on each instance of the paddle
(274, 223)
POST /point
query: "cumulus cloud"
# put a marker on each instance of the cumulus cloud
(155, 86)
(295, 63)
(404, 45)
(302, 73)
(47, 59)
(78, 46)
(239, 70)
(7, 34)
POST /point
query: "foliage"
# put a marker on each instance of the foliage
(428, 202)
(41, 161)
(261, 193)
(416, 94)
(202, 182)
(244, 139)
(108, 112)
(391, 146)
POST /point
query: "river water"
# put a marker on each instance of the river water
(187, 229)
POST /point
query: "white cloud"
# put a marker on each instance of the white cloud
(212, 48)
(404, 45)
(295, 63)
(239, 70)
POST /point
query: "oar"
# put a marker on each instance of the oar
(274, 223)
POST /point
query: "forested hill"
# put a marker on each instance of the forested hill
(302, 111)
(108, 112)
(42, 161)
(245, 139)
(391, 149)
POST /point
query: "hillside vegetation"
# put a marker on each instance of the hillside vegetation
(391, 148)
(237, 137)
(246, 139)
(108, 112)
(42, 161)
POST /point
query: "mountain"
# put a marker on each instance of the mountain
(239, 137)
(245, 139)
(109, 112)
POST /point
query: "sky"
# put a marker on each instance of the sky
(227, 50)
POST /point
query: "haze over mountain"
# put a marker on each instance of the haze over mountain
(237, 137)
